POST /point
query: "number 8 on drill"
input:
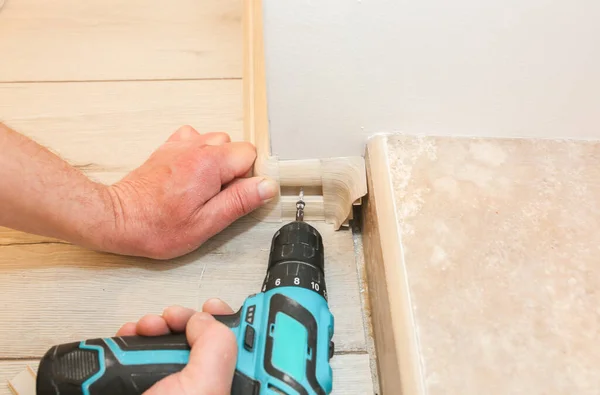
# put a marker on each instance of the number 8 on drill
(284, 337)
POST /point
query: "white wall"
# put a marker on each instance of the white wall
(340, 70)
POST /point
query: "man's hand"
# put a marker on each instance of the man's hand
(214, 350)
(190, 189)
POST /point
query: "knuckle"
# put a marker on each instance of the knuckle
(205, 153)
(186, 129)
(238, 204)
(209, 152)
(249, 146)
(208, 160)
(223, 135)
(186, 132)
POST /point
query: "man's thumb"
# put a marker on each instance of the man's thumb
(240, 198)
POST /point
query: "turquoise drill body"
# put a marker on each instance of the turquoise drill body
(292, 353)
(284, 337)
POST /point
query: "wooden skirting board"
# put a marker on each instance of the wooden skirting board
(391, 312)
(340, 182)
(481, 259)
(24, 382)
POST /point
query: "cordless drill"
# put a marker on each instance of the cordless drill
(284, 336)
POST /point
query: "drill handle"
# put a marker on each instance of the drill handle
(230, 320)
(126, 365)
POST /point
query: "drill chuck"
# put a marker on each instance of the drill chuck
(297, 259)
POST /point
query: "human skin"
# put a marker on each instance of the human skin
(213, 352)
(192, 187)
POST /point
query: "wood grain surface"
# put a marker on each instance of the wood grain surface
(72, 40)
(391, 312)
(109, 128)
(24, 383)
(10, 369)
(54, 293)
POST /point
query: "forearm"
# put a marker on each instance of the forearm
(189, 189)
(42, 194)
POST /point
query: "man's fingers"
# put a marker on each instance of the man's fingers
(234, 202)
(215, 138)
(152, 325)
(127, 330)
(232, 160)
(188, 133)
(217, 307)
(184, 133)
(177, 317)
(235, 181)
(213, 356)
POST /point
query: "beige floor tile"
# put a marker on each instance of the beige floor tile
(501, 243)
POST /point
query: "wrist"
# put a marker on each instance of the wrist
(120, 230)
(130, 227)
(43, 194)
(94, 225)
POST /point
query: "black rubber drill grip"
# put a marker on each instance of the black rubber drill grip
(126, 365)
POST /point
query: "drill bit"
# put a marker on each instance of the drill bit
(300, 206)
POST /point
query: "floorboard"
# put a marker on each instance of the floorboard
(55, 293)
(109, 128)
(11, 237)
(9, 369)
(72, 40)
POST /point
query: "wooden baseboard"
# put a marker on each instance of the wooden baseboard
(24, 382)
(342, 180)
(391, 313)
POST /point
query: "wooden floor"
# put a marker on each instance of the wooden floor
(103, 83)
